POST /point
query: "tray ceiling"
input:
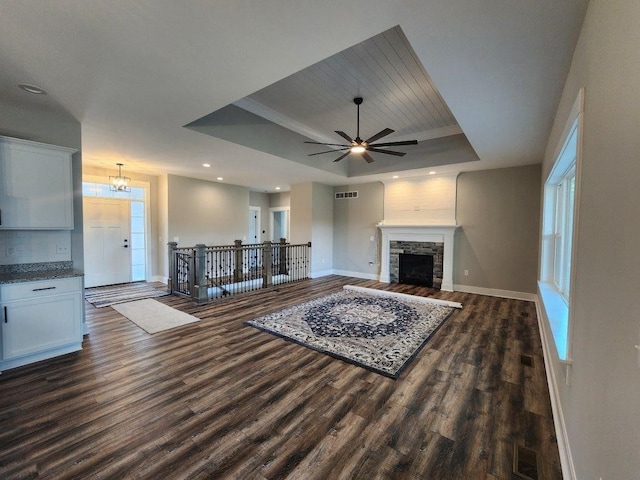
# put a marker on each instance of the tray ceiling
(312, 103)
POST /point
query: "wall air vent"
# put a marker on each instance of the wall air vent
(346, 195)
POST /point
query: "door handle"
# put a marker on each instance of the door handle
(6, 316)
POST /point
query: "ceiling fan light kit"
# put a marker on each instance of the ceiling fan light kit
(363, 147)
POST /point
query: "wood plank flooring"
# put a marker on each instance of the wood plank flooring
(219, 399)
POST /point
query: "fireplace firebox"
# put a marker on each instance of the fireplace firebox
(416, 269)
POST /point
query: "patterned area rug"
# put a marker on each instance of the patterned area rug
(125, 292)
(377, 330)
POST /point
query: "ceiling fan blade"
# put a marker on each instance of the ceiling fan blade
(330, 151)
(392, 144)
(342, 156)
(329, 144)
(345, 136)
(378, 135)
(367, 157)
(388, 152)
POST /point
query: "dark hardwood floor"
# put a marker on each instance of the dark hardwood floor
(218, 399)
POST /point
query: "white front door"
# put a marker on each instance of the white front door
(107, 241)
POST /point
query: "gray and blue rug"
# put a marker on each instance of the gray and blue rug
(377, 330)
(125, 292)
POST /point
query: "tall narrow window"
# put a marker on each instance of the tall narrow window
(559, 220)
(138, 241)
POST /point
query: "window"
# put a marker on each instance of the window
(138, 242)
(563, 211)
(558, 223)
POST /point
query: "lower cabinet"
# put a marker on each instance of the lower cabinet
(40, 320)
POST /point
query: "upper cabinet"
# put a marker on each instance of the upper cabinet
(36, 191)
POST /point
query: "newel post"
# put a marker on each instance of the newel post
(171, 281)
(267, 260)
(282, 257)
(200, 286)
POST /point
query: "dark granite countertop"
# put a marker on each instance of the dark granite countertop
(30, 272)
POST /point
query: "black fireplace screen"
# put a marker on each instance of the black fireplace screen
(416, 269)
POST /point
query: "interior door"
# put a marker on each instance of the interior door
(107, 257)
(254, 225)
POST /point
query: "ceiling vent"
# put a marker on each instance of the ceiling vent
(347, 195)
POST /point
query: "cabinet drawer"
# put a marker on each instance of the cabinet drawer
(40, 288)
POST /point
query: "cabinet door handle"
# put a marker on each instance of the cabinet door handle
(44, 288)
(6, 316)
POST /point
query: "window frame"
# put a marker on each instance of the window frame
(559, 226)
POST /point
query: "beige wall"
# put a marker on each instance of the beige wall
(260, 199)
(282, 199)
(163, 226)
(601, 405)
(322, 231)
(499, 211)
(312, 220)
(212, 213)
(355, 222)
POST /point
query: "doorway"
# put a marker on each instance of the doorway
(279, 223)
(115, 234)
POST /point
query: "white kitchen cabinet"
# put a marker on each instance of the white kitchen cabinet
(40, 320)
(36, 191)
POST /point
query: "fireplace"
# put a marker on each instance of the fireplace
(415, 269)
(435, 240)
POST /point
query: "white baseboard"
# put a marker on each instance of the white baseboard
(494, 292)
(158, 278)
(321, 273)
(366, 276)
(566, 459)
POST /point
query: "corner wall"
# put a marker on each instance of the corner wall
(312, 220)
(600, 404)
(497, 245)
(40, 125)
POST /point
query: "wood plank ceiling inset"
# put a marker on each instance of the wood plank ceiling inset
(384, 70)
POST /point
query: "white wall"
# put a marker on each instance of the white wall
(601, 406)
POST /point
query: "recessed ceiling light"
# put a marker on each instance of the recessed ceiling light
(220, 178)
(207, 165)
(432, 172)
(395, 176)
(32, 89)
(277, 188)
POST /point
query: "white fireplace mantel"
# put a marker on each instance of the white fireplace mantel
(420, 233)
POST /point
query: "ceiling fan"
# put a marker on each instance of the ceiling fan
(363, 147)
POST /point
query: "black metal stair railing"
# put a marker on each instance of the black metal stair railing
(206, 273)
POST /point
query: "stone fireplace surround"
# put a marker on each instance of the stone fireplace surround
(420, 234)
(396, 248)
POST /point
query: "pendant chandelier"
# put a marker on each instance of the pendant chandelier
(119, 183)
